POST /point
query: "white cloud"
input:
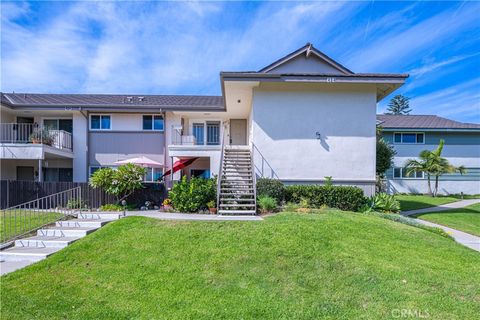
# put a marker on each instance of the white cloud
(431, 66)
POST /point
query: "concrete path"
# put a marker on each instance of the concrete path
(443, 207)
(466, 239)
(191, 217)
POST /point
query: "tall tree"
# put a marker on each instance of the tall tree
(385, 154)
(432, 164)
(399, 105)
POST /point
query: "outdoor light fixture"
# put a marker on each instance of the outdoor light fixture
(319, 136)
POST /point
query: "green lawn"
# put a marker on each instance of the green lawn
(16, 222)
(465, 219)
(413, 202)
(335, 265)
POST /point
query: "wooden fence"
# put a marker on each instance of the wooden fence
(14, 192)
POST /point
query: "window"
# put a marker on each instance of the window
(198, 133)
(153, 122)
(100, 122)
(409, 137)
(58, 124)
(401, 173)
(213, 133)
(200, 173)
(93, 169)
(153, 174)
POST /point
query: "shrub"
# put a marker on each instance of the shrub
(340, 197)
(111, 207)
(267, 204)
(382, 202)
(271, 188)
(76, 204)
(193, 195)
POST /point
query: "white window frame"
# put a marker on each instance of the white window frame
(100, 114)
(204, 122)
(153, 174)
(408, 178)
(411, 143)
(153, 128)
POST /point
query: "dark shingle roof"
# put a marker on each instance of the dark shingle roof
(167, 102)
(421, 122)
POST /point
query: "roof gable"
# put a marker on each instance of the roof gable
(307, 59)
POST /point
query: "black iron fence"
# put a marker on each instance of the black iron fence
(13, 192)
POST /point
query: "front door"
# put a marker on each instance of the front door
(238, 132)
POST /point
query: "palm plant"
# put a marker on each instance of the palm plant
(431, 163)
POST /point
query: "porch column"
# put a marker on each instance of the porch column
(40, 171)
(171, 172)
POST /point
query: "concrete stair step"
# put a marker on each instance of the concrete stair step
(27, 253)
(66, 232)
(237, 212)
(45, 241)
(100, 216)
(94, 223)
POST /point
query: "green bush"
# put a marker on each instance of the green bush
(111, 207)
(193, 195)
(382, 202)
(340, 197)
(271, 188)
(266, 204)
(76, 204)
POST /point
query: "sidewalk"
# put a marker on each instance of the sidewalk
(466, 239)
(443, 207)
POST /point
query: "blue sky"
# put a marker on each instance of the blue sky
(180, 47)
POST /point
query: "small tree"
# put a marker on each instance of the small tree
(121, 182)
(385, 154)
(434, 165)
(399, 105)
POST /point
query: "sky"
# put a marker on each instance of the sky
(157, 47)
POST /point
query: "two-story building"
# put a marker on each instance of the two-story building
(302, 118)
(410, 134)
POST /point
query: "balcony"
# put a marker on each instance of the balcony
(211, 131)
(28, 134)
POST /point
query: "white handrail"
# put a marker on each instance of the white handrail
(219, 177)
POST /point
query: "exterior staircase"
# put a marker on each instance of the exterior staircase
(50, 240)
(237, 194)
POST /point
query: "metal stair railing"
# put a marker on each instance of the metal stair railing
(28, 217)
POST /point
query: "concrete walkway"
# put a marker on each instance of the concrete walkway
(466, 239)
(191, 217)
(443, 207)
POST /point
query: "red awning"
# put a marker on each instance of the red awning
(179, 165)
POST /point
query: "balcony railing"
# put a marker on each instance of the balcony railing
(212, 134)
(29, 133)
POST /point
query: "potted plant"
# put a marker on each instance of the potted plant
(42, 135)
(212, 206)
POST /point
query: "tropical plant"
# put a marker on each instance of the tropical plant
(194, 194)
(328, 181)
(432, 164)
(399, 105)
(382, 202)
(120, 182)
(266, 204)
(211, 204)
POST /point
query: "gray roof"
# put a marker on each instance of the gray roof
(421, 122)
(120, 101)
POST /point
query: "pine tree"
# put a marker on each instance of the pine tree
(399, 105)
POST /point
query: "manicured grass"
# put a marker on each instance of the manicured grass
(15, 222)
(413, 202)
(464, 219)
(334, 265)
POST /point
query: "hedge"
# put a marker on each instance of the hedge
(341, 197)
(271, 188)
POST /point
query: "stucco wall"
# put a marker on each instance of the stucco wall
(285, 120)
(421, 186)
(108, 147)
(80, 148)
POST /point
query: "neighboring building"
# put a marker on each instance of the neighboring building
(410, 134)
(304, 117)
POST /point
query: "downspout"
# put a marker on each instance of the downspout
(87, 140)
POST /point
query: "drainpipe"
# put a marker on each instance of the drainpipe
(87, 140)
